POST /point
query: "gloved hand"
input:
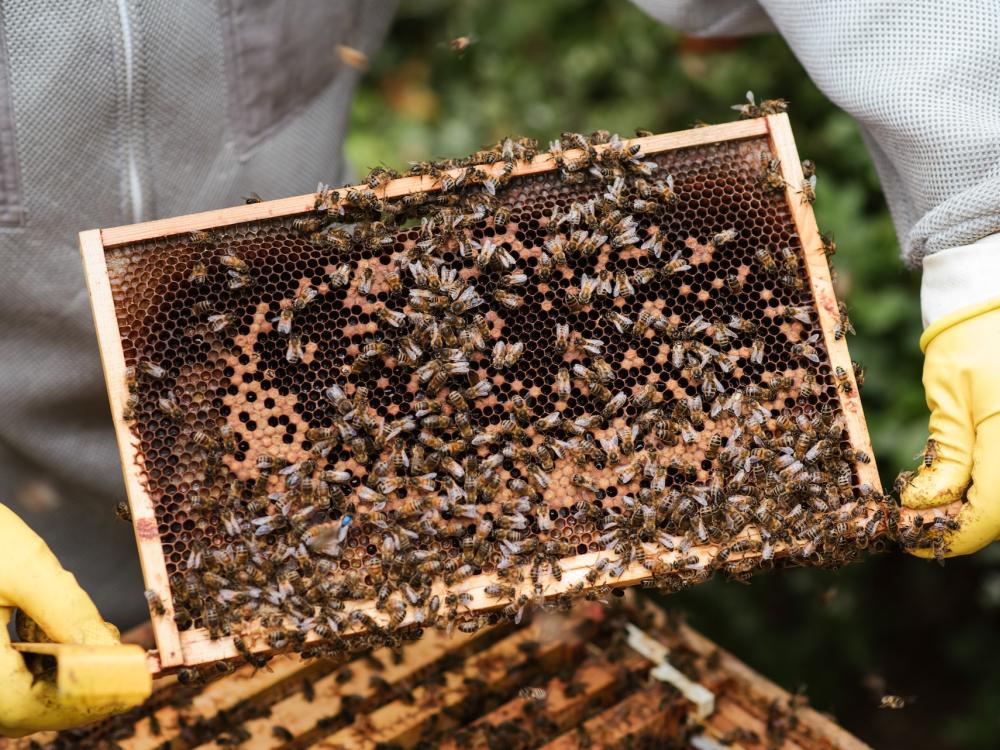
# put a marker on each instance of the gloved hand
(31, 579)
(962, 384)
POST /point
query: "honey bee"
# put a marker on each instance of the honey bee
(295, 351)
(341, 276)
(829, 245)
(147, 368)
(365, 282)
(841, 376)
(675, 265)
(562, 384)
(533, 694)
(170, 408)
(929, 454)
(807, 348)
(725, 237)
(859, 373)
(155, 603)
(808, 189)
(201, 238)
(766, 260)
(770, 173)
(750, 109)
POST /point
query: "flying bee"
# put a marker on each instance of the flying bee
(892, 701)
(808, 190)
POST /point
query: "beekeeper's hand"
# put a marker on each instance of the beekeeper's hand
(32, 580)
(961, 345)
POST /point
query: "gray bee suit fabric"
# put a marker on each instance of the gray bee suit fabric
(922, 78)
(116, 111)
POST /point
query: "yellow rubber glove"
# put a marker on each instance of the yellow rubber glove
(962, 384)
(31, 579)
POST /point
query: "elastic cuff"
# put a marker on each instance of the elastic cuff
(958, 277)
(944, 323)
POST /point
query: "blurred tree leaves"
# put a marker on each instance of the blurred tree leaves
(537, 68)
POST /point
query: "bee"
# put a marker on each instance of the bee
(859, 373)
(766, 260)
(562, 383)
(930, 453)
(340, 276)
(734, 283)
(725, 237)
(757, 351)
(751, 109)
(667, 195)
(295, 351)
(201, 238)
(365, 282)
(808, 190)
(147, 368)
(508, 299)
(770, 173)
(843, 324)
(675, 265)
(170, 408)
(533, 694)
(829, 245)
(807, 348)
(842, 378)
(155, 603)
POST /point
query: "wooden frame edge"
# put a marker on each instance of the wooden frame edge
(144, 522)
(821, 283)
(124, 235)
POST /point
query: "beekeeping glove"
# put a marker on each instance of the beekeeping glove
(960, 297)
(32, 580)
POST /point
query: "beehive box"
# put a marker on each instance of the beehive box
(479, 691)
(627, 366)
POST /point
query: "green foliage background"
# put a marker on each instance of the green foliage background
(539, 67)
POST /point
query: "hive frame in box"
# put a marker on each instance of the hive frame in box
(194, 646)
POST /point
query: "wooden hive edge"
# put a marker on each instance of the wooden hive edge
(154, 567)
(124, 235)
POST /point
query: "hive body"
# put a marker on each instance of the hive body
(739, 323)
(558, 682)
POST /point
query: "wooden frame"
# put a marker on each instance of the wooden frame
(195, 646)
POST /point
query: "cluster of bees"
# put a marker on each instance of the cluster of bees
(433, 493)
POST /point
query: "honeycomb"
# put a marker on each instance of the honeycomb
(377, 400)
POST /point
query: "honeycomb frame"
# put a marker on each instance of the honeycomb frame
(195, 646)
